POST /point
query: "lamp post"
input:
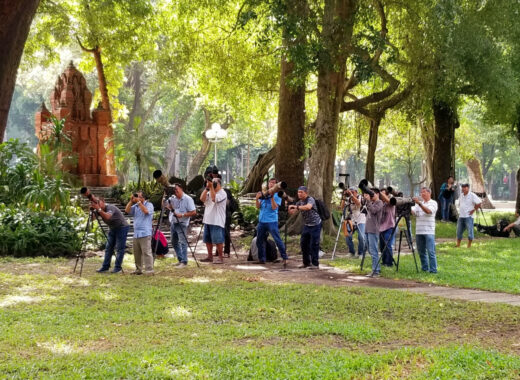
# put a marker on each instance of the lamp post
(214, 135)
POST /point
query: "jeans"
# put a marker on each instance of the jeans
(426, 248)
(462, 224)
(272, 228)
(373, 243)
(361, 240)
(179, 243)
(445, 208)
(386, 242)
(310, 244)
(116, 239)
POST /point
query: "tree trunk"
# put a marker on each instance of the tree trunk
(15, 22)
(428, 140)
(105, 100)
(171, 150)
(444, 139)
(254, 180)
(338, 20)
(477, 182)
(290, 146)
(372, 146)
(517, 207)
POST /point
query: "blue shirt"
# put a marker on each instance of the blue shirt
(181, 206)
(267, 214)
(142, 221)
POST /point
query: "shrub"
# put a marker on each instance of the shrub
(24, 232)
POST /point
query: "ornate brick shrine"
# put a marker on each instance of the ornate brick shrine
(89, 133)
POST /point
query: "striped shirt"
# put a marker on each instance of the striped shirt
(425, 223)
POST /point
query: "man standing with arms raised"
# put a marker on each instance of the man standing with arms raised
(142, 210)
(425, 209)
(468, 204)
(268, 204)
(214, 198)
(181, 208)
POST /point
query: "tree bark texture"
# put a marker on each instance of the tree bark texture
(15, 22)
(477, 182)
(338, 19)
(290, 146)
(171, 150)
(105, 100)
(259, 170)
(370, 168)
(428, 140)
(201, 155)
(446, 122)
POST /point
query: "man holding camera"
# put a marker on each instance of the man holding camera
(181, 208)
(424, 210)
(118, 231)
(447, 197)
(214, 198)
(375, 210)
(268, 204)
(468, 204)
(142, 211)
(354, 204)
(310, 237)
(386, 229)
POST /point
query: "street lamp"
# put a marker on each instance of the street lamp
(214, 135)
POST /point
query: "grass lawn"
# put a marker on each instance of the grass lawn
(490, 264)
(215, 323)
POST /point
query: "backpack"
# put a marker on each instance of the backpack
(322, 209)
(271, 253)
(162, 244)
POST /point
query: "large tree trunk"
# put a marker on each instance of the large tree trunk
(370, 168)
(15, 21)
(428, 140)
(290, 146)
(444, 139)
(171, 150)
(105, 100)
(477, 182)
(338, 19)
(259, 170)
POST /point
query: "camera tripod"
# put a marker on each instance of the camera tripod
(198, 237)
(187, 242)
(408, 235)
(80, 256)
(343, 218)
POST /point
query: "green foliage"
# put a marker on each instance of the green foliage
(250, 214)
(25, 232)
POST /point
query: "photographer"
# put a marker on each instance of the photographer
(142, 210)
(515, 226)
(375, 210)
(214, 198)
(310, 238)
(386, 228)
(468, 204)
(268, 204)
(181, 207)
(424, 210)
(354, 202)
(118, 231)
(447, 197)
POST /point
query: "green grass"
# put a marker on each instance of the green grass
(490, 264)
(214, 323)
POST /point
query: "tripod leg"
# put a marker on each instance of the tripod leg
(233, 245)
(337, 237)
(198, 237)
(399, 251)
(156, 229)
(410, 243)
(83, 241)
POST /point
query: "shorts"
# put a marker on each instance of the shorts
(213, 234)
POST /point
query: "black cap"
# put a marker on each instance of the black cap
(464, 185)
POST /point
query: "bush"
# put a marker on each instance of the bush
(24, 232)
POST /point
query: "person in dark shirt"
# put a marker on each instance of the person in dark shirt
(118, 231)
(447, 198)
(310, 237)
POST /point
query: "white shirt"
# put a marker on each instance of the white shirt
(357, 216)
(425, 223)
(517, 221)
(468, 203)
(215, 212)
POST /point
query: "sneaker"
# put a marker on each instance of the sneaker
(302, 266)
(137, 272)
(373, 275)
(313, 267)
(102, 270)
(149, 273)
(181, 265)
(284, 264)
(206, 260)
(177, 264)
(117, 271)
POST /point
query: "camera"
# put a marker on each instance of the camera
(135, 195)
(279, 188)
(403, 205)
(365, 186)
(87, 194)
